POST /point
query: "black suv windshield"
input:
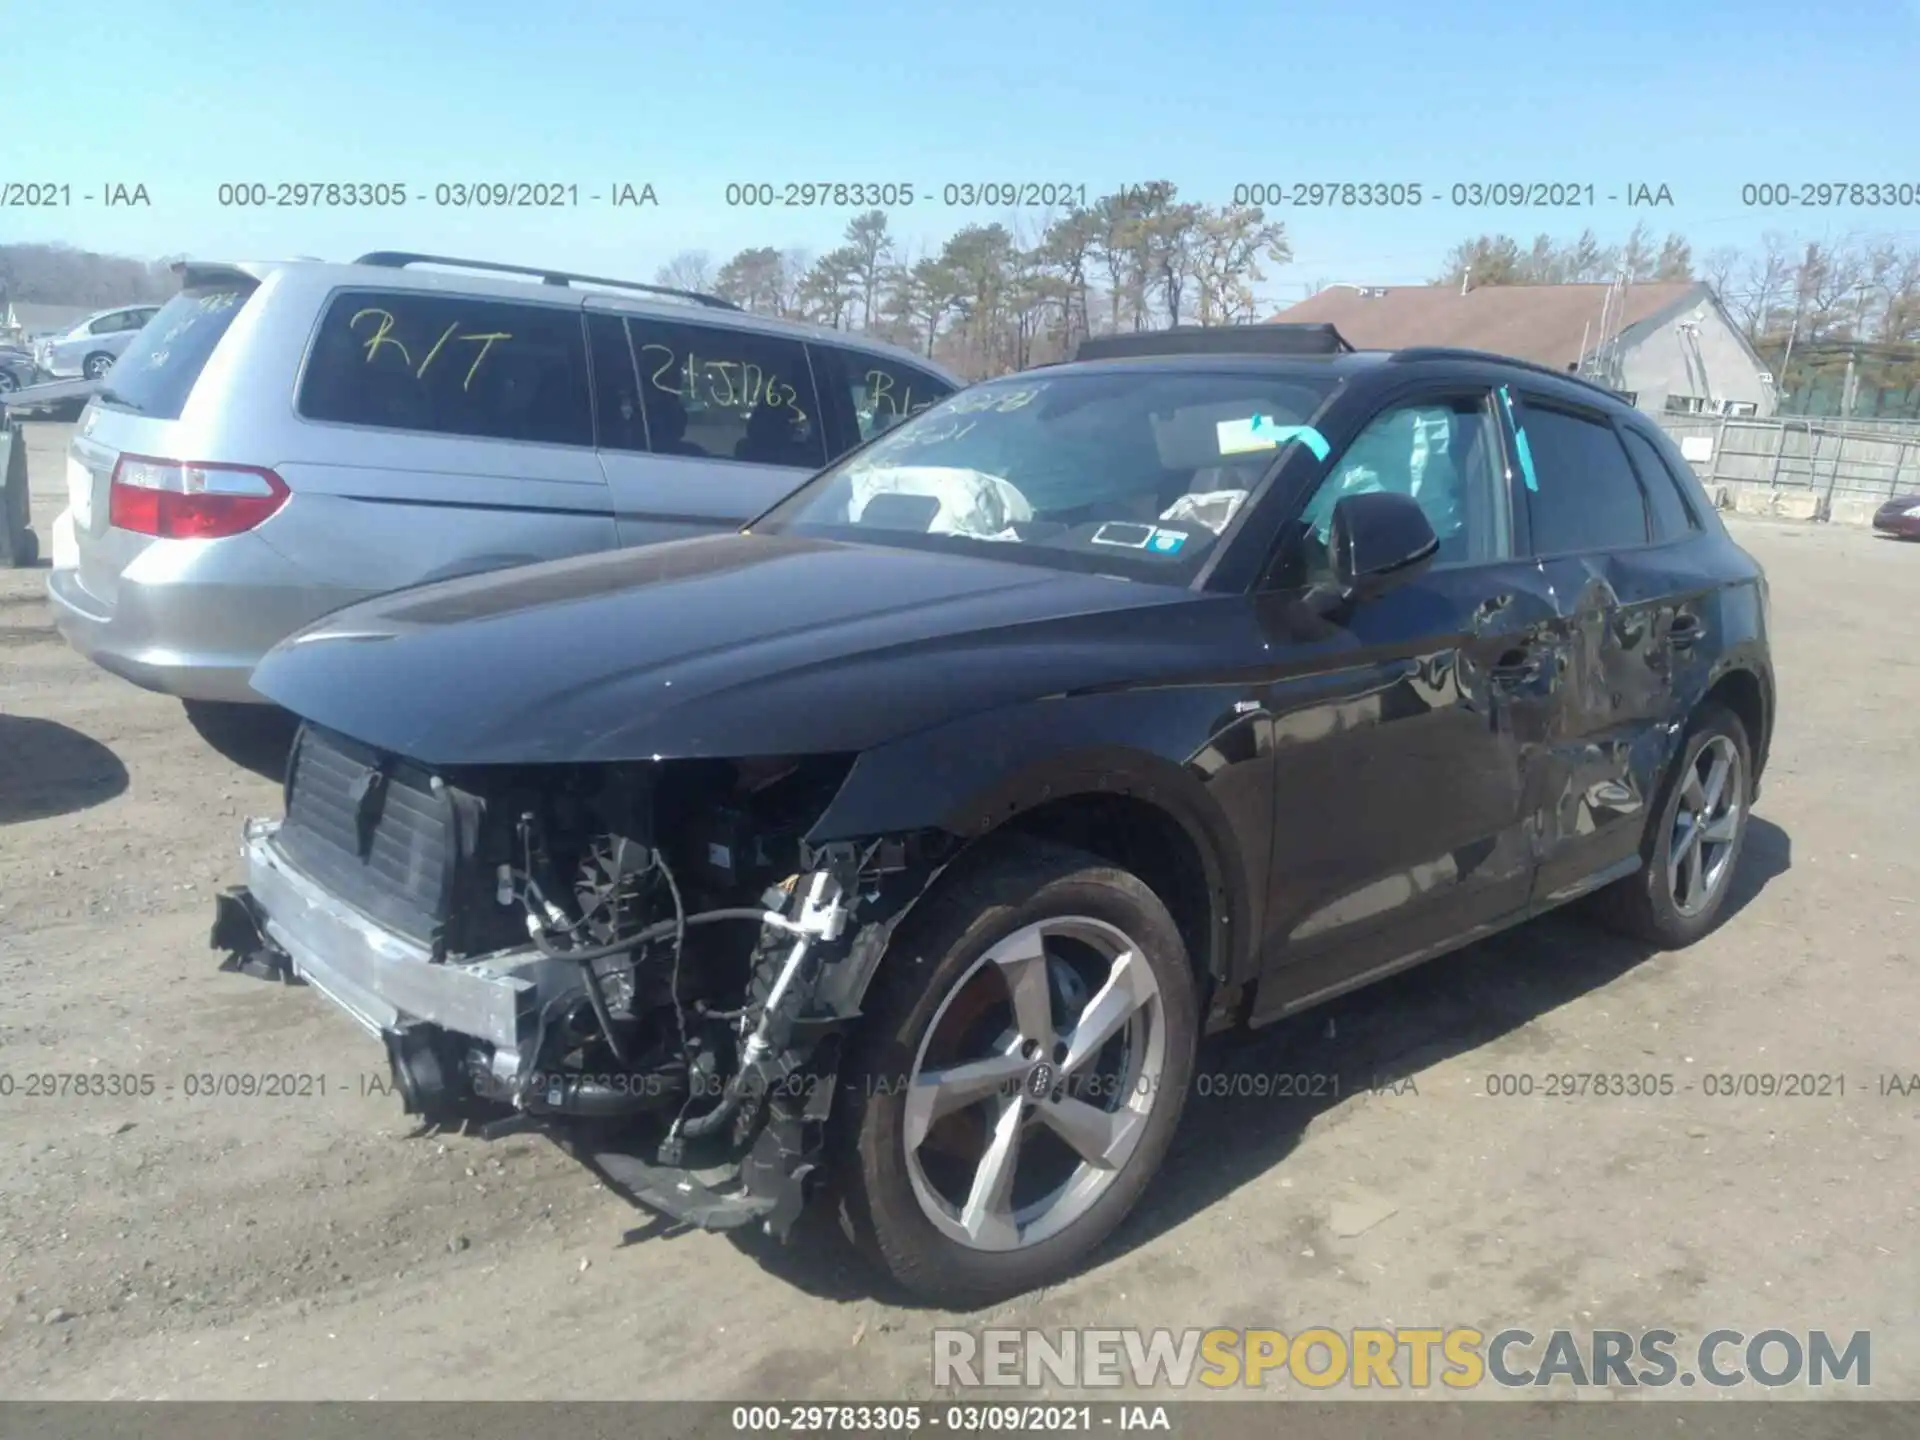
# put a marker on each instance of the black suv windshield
(1131, 469)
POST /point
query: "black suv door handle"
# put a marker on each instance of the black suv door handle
(1517, 667)
(1684, 631)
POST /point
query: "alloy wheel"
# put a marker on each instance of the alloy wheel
(1033, 1084)
(1706, 826)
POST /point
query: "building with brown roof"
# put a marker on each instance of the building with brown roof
(1671, 346)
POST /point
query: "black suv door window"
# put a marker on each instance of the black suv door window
(1587, 497)
(1671, 517)
(1445, 453)
(727, 394)
(451, 365)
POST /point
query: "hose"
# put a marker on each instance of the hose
(599, 1100)
(658, 931)
(602, 1013)
(586, 959)
(706, 1124)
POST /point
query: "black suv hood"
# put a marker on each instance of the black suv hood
(724, 645)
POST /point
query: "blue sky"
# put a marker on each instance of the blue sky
(182, 95)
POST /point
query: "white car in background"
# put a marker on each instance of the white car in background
(89, 349)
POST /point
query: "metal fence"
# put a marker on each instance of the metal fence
(1844, 459)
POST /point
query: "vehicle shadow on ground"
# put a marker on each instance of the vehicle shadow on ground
(1372, 1039)
(254, 737)
(47, 768)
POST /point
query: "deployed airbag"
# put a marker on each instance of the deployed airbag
(972, 503)
(1209, 509)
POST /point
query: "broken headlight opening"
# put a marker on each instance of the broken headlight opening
(650, 960)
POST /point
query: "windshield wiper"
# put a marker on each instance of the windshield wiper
(114, 397)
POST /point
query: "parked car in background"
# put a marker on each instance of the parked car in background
(906, 842)
(90, 348)
(1900, 516)
(17, 368)
(288, 437)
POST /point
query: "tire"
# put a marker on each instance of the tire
(9, 382)
(956, 956)
(95, 366)
(1645, 905)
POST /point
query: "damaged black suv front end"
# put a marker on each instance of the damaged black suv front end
(652, 944)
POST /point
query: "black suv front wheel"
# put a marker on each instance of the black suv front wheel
(1023, 1063)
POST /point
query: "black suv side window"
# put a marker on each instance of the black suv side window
(1584, 495)
(727, 394)
(1445, 453)
(450, 365)
(1671, 516)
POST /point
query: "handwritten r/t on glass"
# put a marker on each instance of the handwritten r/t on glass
(380, 334)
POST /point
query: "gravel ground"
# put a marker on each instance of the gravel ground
(187, 1245)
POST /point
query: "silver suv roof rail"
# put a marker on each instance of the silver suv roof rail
(400, 259)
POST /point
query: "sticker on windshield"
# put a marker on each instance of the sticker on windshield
(1167, 542)
(1261, 432)
(1121, 532)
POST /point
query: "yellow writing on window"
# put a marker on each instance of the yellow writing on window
(728, 384)
(384, 324)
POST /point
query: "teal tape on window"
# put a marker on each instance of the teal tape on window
(1262, 429)
(1520, 442)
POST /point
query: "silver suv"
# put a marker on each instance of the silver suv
(90, 348)
(288, 437)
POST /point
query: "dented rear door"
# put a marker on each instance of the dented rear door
(1616, 596)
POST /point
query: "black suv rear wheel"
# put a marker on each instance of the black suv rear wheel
(1024, 1061)
(1693, 841)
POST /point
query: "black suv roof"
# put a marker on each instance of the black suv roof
(1321, 345)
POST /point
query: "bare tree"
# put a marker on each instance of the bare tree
(1718, 267)
(1764, 297)
(795, 262)
(689, 270)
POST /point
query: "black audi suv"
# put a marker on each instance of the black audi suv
(901, 847)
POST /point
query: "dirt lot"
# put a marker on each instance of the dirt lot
(181, 1246)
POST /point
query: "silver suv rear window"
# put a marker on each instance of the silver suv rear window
(159, 368)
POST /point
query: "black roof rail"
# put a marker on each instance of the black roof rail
(1452, 352)
(1264, 339)
(400, 259)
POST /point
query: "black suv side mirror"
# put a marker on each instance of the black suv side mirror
(1376, 541)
